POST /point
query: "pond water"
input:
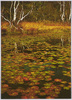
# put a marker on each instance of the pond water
(40, 72)
(64, 93)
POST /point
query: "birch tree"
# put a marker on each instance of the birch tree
(70, 11)
(62, 10)
(16, 17)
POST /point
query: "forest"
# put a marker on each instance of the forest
(35, 49)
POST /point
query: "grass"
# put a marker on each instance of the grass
(52, 32)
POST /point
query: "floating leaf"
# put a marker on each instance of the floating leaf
(13, 94)
(60, 62)
(49, 97)
(24, 97)
(69, 83)
(60, 65)
(61, 85)
(5, 86)
(57, 80)
(25, 78)
(49, 79)
(42, 93)
(19, 79)
(53, 66)
(63, 82)
(66, 88)
(3, 90)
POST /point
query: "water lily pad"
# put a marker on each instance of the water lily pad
(12, 92)
(57, 80)
(53, 66)
(49, 97)
(64, 82)
(60, 65)
(47, 85)
(5, 86)
(66, 88)
(19, 80)
(61, 62)
(25, 79)
(49, 79)
(42, 93)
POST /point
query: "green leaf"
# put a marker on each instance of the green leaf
(66, 88)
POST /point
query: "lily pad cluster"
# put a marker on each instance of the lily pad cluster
(41, 71)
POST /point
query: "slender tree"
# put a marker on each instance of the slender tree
(15, 19)
(62, 10)
(70, 11)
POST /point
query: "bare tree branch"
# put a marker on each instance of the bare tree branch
(6, 19)
(15, 27)
(10, 10)
(22, 13)
(24, 16)
(17, 6)
(14, 6)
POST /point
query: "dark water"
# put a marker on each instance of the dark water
(58, 74)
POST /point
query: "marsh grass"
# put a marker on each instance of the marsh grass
(52, 32)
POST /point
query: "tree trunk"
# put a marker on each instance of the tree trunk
(63, 14)
(70, 11)
(13, 21)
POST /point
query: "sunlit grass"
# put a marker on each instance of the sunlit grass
(41, 26)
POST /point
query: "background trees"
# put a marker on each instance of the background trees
(15, 12)
(36, 11)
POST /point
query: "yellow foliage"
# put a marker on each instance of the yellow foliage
(41, 26)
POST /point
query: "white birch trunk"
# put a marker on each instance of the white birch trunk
(14, 6)
(70, 11)
(63, 14)
(15, 10)
(14, 18)
(62, 10)
(60, 6)
(62, 41)
(16, 51)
